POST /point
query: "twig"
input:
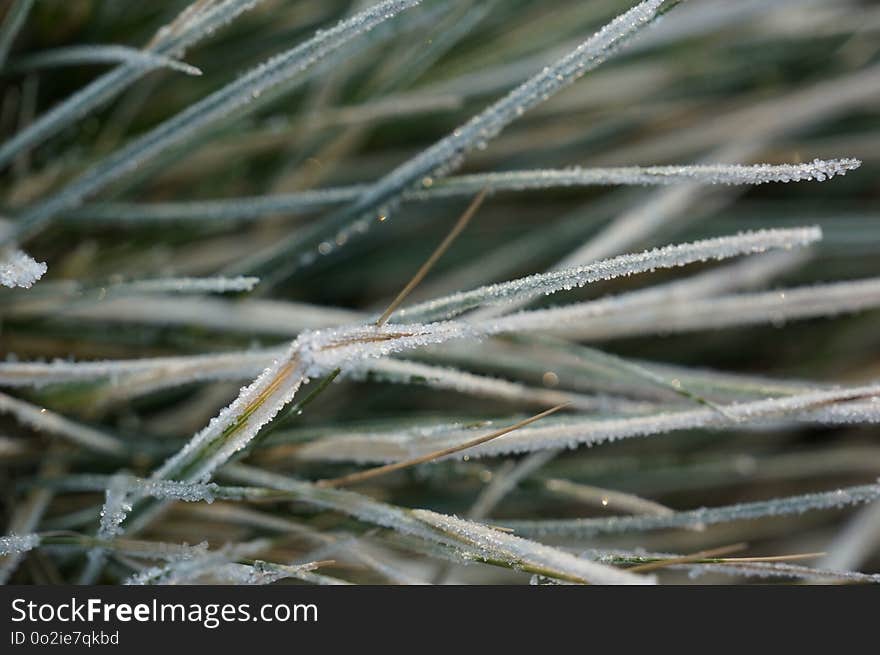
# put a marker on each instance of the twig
(396, 466)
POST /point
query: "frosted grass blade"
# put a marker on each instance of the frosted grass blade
(836, 499)
(574, 432)
(583, 321)
(528, 555)
(624, 265)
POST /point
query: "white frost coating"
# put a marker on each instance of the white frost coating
(191, 285)
(18, 269)
(836, 499)
(117, 505)
(601, 320)
(123, 490)
(15, 544)
(729, 174)
(192, 566)
(42, 419)
(667, 257)
(100, 54)
(249, 208)
(571, 433)
(263, 573)
(524, 553)
(232, 97)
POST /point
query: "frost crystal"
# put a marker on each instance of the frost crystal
(192, 285)
(18, 269)
(117, 505)
(18, 543)
(730, 174)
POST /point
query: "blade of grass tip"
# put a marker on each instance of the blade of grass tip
(169, 42)
(12, 24)
(457, 229)
(369, 474)
(749, 130)
(98, 54)
(237, 96)
(701, 555)
(606, 498)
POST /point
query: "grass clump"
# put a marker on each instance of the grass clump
(227, 321)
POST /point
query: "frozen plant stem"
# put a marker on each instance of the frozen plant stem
(435, 256)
